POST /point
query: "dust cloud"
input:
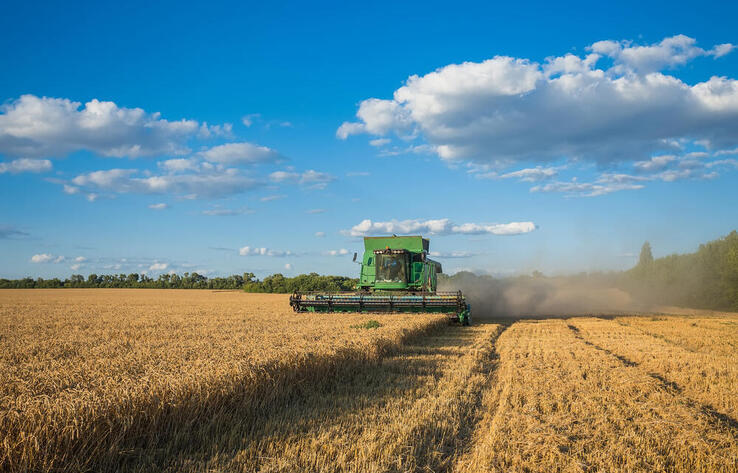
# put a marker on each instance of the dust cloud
(541, 296)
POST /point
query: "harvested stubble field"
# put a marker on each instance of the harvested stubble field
(155, 380)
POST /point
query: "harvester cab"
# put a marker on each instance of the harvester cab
(396, 276)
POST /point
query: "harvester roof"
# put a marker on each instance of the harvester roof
(414, 244)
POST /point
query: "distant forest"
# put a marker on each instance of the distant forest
(707, 278)
(276, 283)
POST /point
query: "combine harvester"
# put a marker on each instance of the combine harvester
(396, 276)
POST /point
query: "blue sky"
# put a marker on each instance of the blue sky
(269, 137)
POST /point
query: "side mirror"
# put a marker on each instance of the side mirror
(354, 257)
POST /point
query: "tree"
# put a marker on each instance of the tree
(646, 258)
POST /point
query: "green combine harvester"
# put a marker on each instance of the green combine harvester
(396, 276)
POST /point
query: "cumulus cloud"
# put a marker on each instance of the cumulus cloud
(46, 258)
(311, 179)
(240, 153)
(36, 127)
(341, 252)
(320, 234)
(41, 258)
(159, 206)
(26, 165)
(254, 251)
(437, 227)
(670, 52)
(507, 110)
(204, 184)
(179, 165)
(75, 267)
(158, 267)
(80, 259)
(288, 266)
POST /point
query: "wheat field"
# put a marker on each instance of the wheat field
(221, 381)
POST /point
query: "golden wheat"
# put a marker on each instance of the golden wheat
(408, 413)
(714, 335)
(561, 404)
(705, 377)
(92, 377)
(217, 381)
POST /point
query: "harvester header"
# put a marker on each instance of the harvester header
(396, 276)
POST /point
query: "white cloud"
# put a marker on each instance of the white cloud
(253, 251)
(358, 174)
(378, 117)
(205, 184)
(315, 211)
(223, 212)
(249, 119)
(437, 227)
(347, 129)
(538, 173)
(656, 163)
(316, 180)
(25, 165)
(158, 267)
(288, 266)
(42, 258)
(311, 179)
(380, 142)
(207, 131)
(586, 189)
(70, 189)
(451, 254)
(179, 165)
(269, 198)
(320, 234)
(159, 206)
(240, 153)
(47, 258)
(282, 176)
(341, 252)
(670, 52)
(75, 267)
(35, 127)
(507, 110)
(80, 259)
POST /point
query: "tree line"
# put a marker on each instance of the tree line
(707, 278)
(276, 283)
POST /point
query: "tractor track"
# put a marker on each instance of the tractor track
(714, 417)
